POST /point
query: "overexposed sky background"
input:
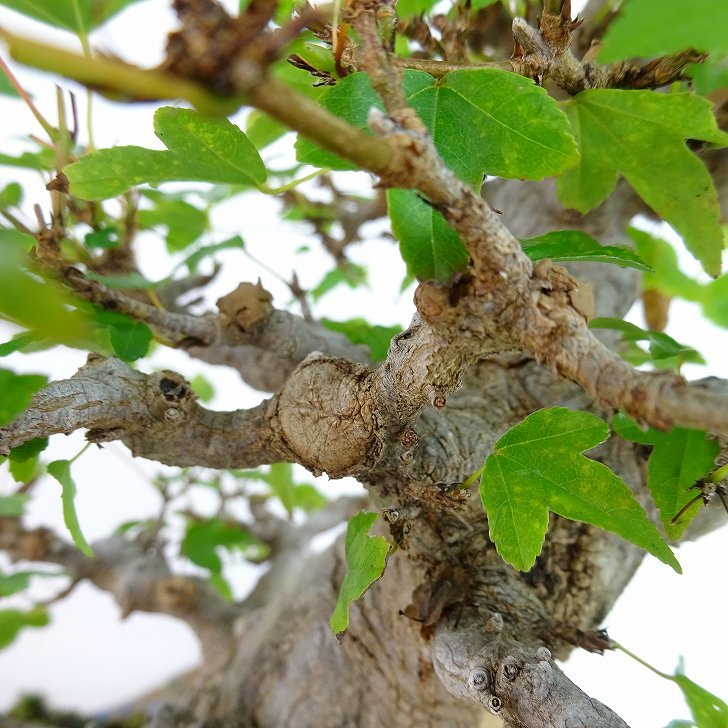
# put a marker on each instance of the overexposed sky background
(89, 659)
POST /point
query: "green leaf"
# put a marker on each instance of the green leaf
(280, 479)
(43, 160)
(22, 342)
(13, 583)
(106, 238)
(16, 391)
(679, 459)
(184, 222)
(203, 539)
(665, 275)
(193, 261)
(431, 249)
(202, 388)
(482, 121)
(24, 471)
(7, 88)
(661, 345)
(11, 506)
(715, 301)
(28, 450)
(574, 245)
(13, 620)
(61, 471)
(307, 498)
(366, 558)
(11, 195)
(351, 274)
(263, 130)
(708, 710)
(360, 331)
(77, 16)
(129, 339)
(24, 459)
(537, 467)
(199, 148)
(40, 305)
(663, 27)
(641, 135)
(410, 8)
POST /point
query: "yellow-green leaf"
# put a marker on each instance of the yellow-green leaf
(641, 135)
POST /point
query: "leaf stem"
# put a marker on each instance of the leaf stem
(642, 662)
(438, 69)
(79, 453)
(720, 474)
(290, 185)
(469, 482)
(24, 95)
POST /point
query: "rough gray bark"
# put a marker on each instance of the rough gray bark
(475, 633)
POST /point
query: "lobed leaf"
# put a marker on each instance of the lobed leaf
(641, 135)
(483, 121)
(61, 471)
(198, 148)
(537, 467)
(366, 559)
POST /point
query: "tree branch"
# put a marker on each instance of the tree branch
(138, 577)
(545, 53)
(483, 664)
(262, 343)
(155, 416)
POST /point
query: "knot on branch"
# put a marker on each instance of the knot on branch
(170, 397)
(248, 306)
(556, 30)
(327, 419)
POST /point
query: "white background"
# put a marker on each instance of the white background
(89, 659)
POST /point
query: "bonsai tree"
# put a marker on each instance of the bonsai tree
(518, 466)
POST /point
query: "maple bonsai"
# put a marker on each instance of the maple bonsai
(502, 545)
